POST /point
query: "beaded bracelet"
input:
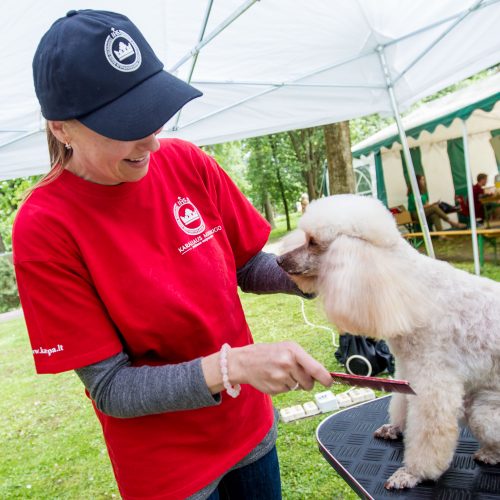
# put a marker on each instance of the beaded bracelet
(234, 392)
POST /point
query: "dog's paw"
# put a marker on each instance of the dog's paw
(487, 456)
(401, 479)
(388, 431)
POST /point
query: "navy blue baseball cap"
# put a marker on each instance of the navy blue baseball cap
(96, 67)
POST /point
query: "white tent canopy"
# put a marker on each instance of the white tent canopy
(430, 127)
(263, 66)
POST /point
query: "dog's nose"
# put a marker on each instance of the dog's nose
(279, 260)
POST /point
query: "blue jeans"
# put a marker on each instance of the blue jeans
(259, 480)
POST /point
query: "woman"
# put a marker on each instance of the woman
(128, 256)
(432, 211)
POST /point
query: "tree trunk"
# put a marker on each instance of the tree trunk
(310, 158)
(283, 197)
(338, 155)
(268, 210)
(281, 187)
(311, 185)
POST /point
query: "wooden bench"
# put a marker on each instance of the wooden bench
(488, 235)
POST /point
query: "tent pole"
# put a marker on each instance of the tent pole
(373, 175)
(18, 138)
(194, 60)
(218, 29)
(326, 180)
(406, 151)
(470, 196)
(257, 83)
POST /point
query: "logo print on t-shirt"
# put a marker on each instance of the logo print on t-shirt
(188, 217)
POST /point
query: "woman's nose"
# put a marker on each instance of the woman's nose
(151, 143)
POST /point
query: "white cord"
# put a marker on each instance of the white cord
(307, 322)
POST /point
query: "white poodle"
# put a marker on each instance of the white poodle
(442, 325)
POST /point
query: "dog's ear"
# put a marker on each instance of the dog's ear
(372, 290)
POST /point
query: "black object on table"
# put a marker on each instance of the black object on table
(365, 462)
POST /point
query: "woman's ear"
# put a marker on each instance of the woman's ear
(59, 130)
(372, 290)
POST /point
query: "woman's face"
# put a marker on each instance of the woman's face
(107, 161)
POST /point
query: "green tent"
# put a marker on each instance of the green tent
(435, 137)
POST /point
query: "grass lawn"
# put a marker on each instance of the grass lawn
(280, 229)
(51, 441)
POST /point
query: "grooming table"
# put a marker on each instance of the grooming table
(346, 441)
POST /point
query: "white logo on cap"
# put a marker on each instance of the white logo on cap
(121, 51)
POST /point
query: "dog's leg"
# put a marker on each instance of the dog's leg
(397, 410)
(483, 417)
(431, 431)
(397, 418)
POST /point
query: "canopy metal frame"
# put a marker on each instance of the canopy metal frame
(194, 59)
(406, 152)
(458, 17)
(470, 195)
(390, 82)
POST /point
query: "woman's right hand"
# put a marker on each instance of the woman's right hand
(275, 367)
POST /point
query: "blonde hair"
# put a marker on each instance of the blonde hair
(59, 156)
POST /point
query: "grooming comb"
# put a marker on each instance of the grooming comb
(375, 383)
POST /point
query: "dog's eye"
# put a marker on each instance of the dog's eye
(312, 242)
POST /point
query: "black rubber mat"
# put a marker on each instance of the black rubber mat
(346, 441)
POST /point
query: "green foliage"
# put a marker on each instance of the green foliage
(271, 158)
(364, 127)
(230, 156)
(9, 299)
(310, 150)
(11, 194)
(280, 230)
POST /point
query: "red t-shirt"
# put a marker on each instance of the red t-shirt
(149, 266)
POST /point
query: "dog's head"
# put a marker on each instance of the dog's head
(326, 221)
(348, 250)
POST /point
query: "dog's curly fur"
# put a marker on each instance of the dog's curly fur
(442, 324)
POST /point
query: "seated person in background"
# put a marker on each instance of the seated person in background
(432, 211)
(477, 193)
